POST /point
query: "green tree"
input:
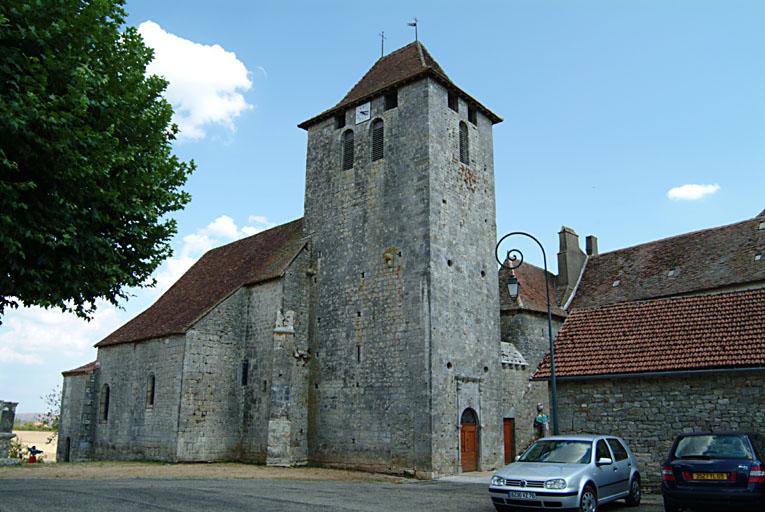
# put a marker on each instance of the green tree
(87, 173)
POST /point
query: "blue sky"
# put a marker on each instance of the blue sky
(607, 105)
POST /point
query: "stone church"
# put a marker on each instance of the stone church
(364, 335)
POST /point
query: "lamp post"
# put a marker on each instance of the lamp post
(514, 259)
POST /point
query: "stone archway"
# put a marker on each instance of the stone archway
(469, 440)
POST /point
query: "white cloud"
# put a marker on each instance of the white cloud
(34, 336)
(691, 192)
(206, 82)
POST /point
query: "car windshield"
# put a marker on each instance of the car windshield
(713, 447)
(560, 451)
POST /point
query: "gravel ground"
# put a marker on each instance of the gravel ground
(177, 495)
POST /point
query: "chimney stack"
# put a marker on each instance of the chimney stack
(591, 244)
(571, 259)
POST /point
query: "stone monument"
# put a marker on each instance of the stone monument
(7, 415)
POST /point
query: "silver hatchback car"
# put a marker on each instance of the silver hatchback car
(568, 473)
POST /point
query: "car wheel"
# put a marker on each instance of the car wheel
(670, 506)
(633, 499)
(589, 500)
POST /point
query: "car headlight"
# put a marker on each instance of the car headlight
(497, 480)
(558, 483)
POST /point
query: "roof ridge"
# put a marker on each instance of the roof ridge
(422, 57)
(679, 298)
(672, 237)
(250, 237)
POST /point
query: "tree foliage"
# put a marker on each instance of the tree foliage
(87, 173)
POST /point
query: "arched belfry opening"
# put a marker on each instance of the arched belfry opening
(469, 440)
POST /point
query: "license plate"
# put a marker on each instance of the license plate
(710, 476)
(521, 495)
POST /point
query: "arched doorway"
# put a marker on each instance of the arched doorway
(469, 440)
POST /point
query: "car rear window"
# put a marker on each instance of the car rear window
(616, 446)
(713, 446)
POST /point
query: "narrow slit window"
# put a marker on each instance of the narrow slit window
(245, 371)
(348, 150)
(453, 102)
(105, 402)
(358, 353)
(150, 390)
(391, 100)
(378, 140)
(464, 149)
(472, 115)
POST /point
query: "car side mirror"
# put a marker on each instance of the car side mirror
(604, 461)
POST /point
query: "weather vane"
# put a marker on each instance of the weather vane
(414, 24)
(382, 43)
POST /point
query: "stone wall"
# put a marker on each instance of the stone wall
(264, 300)
(134, 428)
(77, 419)
(210, 415)
(463, 298)
(528, 332)
(369, 393)
(650, 412)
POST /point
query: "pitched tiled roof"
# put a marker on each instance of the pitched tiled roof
(217, 274)
(82, 370)
(531, 291)
(686, 333)
(406, 64)
(703, 260)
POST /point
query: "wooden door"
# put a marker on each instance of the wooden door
(469, 446)
(509, 427)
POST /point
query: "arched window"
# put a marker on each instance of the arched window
(348, 150)
(104, 403)
(150, 389)
(464, 149)
(469, 417)
(378, 139)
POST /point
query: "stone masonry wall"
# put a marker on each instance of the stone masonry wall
(264, 300)
(650, 412)
(210, 417)
(528, 332)
(134, 429)
(77, 420)
(369, 404)
(463, 296)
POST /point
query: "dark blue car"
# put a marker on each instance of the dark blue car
(721, 471)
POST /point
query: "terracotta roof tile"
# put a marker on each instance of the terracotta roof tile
(216, 275)
(82, 370)
(703, 260)
(404, 65)
(724, 330)
(531, 291)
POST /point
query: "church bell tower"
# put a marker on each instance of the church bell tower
(404, 334)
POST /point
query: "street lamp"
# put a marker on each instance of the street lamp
(514, 259)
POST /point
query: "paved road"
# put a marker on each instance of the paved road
(175, 495)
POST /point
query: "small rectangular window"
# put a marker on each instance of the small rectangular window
(453, 101)
(339, 121)
(472, 115)
(265, 386)
(245, 371)
(391, 100)
(358, 353)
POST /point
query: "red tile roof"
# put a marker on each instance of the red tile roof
(217, 274)
(531, 291)
(82, 370)
(405, 65)
(702, 260)
(686, 333)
